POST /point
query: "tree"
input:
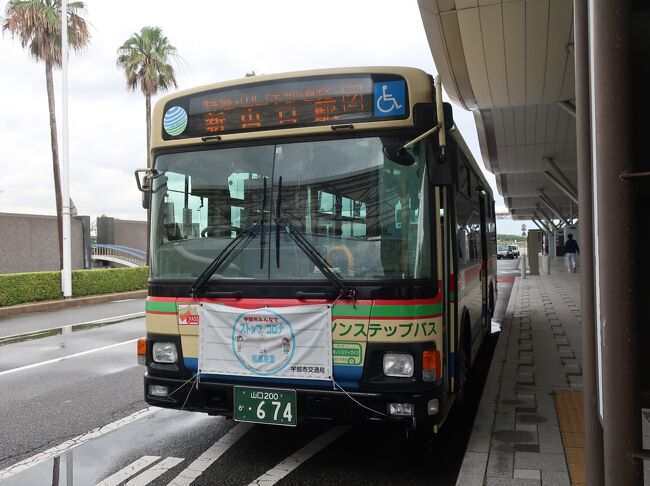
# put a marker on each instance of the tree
(37, 24)
(146, 59)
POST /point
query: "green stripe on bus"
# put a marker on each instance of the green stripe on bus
(161, 306)
(406, 310)
(351, 310)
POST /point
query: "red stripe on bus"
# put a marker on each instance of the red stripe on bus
(288, 302)
(432, 300)
(161, 313)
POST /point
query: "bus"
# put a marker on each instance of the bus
(323, 248)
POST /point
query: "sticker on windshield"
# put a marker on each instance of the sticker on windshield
(390, 98)
(175, 121)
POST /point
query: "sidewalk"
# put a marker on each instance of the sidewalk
(516, 438)
(41, 319)
(49, 305)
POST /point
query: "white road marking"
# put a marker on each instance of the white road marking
(72, 443)
(110, 319)
(125, 473)
(68, 327)
(63, 358)
(153, 472)
(205, 460)
(274, 475)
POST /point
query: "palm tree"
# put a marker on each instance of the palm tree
(145, 58)
(37, 24)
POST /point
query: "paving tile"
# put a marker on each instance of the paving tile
(504, 419)
(527, 474)
(526, 360)
(527, 427)
(555, 478)
(543, 461)
(531, 396)
(472, 472)
(572, 369)
(479, 440)
(500, 463)
(550, 440)
(511, 482)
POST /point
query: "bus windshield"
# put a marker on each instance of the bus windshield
(367, 216)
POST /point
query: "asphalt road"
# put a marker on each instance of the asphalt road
(53, 405)
(65, 317)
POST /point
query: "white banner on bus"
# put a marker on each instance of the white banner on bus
(283, 342)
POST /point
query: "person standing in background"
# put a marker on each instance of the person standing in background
(570, 250)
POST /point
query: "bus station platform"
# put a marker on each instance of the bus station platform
(528, 429)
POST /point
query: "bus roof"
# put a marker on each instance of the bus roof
(418, 87)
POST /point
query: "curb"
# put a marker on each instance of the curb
(49, 305)
(53, 331)
(472, 470)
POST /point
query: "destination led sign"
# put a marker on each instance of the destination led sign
(290, 103)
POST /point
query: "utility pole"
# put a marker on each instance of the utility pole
(66, 271)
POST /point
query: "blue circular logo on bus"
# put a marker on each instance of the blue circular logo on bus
(175, 121)
(263, 342)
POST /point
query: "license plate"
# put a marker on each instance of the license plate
(265, 406)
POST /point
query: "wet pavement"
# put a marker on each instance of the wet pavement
(84, 416)
(37, 321)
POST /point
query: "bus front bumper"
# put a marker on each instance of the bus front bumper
(322, 405)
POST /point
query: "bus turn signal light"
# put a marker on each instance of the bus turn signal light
(142, 351)
(431, 365)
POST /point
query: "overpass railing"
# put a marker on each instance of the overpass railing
(124, 255)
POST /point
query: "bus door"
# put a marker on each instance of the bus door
(445, 271)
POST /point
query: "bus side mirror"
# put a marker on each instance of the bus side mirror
(143, 181)
(438, 165)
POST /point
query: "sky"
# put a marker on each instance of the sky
(218, 41)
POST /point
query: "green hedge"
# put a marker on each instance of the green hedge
(18, 288)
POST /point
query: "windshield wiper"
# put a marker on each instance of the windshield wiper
(308, 249)
(239, 242)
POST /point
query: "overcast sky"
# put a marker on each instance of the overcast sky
(218, 41)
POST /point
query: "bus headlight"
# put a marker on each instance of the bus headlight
(164, 353)
(398, 364)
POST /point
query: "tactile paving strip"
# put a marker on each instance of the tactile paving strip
(570, 416)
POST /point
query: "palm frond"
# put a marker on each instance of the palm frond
(146, 59)
(37, 25)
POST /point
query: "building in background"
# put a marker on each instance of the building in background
(28, 242)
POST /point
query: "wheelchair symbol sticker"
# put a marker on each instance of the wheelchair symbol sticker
(390, 98)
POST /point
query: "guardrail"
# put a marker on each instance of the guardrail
(124, 255)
